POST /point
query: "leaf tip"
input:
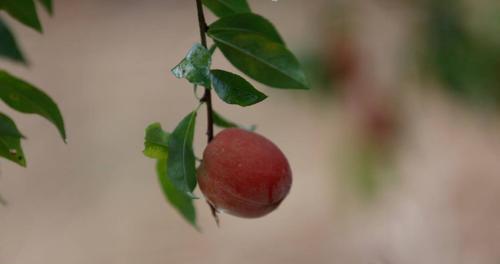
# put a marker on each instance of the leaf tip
(192, 196)
(63, 135)
(22, 162)
(197, 228)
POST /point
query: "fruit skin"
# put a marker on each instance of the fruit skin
(244, 174)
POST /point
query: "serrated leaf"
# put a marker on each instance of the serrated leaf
(26, 98)
(233, 89)
(195, 67)
(247, 23)
(23, 11)
(8, 44)
(8, 127)
(10, 146)
(156, 142)
(181, 164)
(223, 122)
(263, 60)
(223, 8)
(48, 6)
(179, 200)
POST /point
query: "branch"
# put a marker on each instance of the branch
(207, 96)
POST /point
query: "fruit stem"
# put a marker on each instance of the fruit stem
(207, 96)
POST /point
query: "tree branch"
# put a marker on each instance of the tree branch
(207, 96)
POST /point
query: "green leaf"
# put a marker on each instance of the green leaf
(227, 7)
(10, 146)
(48, 6)
(181, 165)
(247, 23)
(179, 200)
(8, 44)
(260, 58)
(233, 89)
(195, 67)
(156, 147)
(3, 201)
(223, 122)
(156, 142)
(212, 49)
(8, 127)
(26, 98)
(24, 11)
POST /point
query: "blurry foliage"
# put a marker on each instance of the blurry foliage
(332, 66)
(367, 162)
(336, 60)
(459, 49)
(368, 169)
(318, 74)
(8, 45)
(16, 93)
(467, 64)
(2, 201)
(371, 149)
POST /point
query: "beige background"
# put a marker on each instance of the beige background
(96, 199)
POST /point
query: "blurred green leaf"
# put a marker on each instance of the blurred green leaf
(8, 44)
(195, 67)
(181, 165)
(156, 142)
(26, 98)
(223, 122)
(247, 23)
(10, 146)
(233, 89)
(3, 201)
(178, 199)
(263, 60)
(48, 6)
(8, 127)
(467, 66)
(227, 7)
(369, 168)
(24, 11)
(365, 175)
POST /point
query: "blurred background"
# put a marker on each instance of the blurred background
(395, 151)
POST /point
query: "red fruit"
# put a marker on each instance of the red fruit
(244, 174)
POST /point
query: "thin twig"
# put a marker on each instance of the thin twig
(207, 96)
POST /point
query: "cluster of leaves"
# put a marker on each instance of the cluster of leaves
(253, 45)
(467, 65)
(16, 93)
